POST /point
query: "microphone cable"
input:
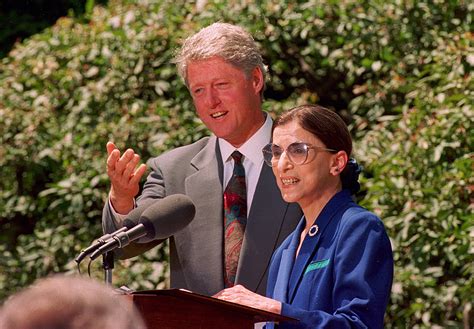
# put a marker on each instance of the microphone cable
(89, 268)
(79, 267)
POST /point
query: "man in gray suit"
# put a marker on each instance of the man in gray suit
(225, 75)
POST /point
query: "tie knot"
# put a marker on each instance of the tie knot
(237, 156)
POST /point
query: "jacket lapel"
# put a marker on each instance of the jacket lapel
(280, 291)
(261, 233)
(202, 245)
(336, 205)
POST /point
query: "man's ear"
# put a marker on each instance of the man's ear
(257, 79)
(339, 162)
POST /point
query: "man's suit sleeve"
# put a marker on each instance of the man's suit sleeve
(109, 224)
(154, 187)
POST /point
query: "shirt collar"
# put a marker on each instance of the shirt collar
(252, 148)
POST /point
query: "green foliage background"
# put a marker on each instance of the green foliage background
(398, 71)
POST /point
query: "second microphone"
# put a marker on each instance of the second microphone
(160, 220)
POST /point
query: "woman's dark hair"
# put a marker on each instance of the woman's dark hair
(330, 129)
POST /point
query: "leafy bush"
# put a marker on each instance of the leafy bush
(64, 94)
(421, 164)
(400, 73)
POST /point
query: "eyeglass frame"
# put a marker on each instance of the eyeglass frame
(267, 151)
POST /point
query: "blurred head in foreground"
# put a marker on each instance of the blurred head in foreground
(68, 302)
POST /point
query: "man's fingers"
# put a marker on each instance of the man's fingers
(122, 169)
(113, 155)
(138, 174)
(110, 147)
(112, 159)
(126, 157)
(131, 165)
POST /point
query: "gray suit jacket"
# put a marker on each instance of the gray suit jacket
(196, 252)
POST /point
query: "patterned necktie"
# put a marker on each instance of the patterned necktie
(235, 219)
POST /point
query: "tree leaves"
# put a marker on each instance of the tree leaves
(399, 73)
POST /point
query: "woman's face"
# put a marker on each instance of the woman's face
(306, 182)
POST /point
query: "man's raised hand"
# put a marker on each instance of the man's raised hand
(124, 177)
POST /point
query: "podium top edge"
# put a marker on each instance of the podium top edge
(181, 293)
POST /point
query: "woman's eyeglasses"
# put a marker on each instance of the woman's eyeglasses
(297, 153)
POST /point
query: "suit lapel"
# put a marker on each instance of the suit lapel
(280, 291)
(202, 245)
(336, 205)
(261, 233)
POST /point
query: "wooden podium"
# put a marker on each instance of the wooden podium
(178, 309)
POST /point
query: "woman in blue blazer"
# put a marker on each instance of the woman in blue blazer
(336, 269)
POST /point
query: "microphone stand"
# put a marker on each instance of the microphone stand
(108, 265)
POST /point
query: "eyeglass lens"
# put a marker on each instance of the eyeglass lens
(296, 152)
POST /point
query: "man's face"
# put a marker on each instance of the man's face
(225, 99)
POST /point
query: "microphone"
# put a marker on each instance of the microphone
(161, 220)
(130, 221)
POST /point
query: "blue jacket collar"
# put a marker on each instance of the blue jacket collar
(291, 270)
